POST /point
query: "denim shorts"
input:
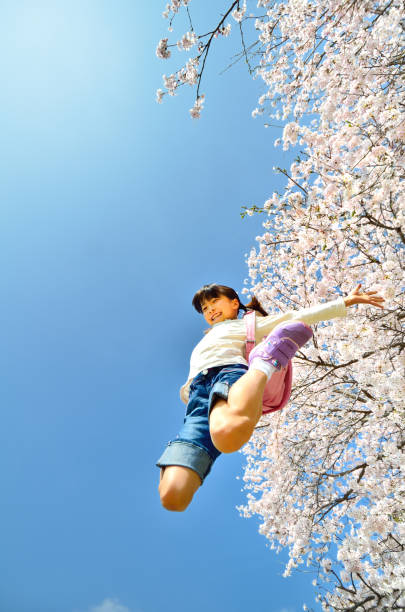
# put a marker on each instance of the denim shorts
(193, 447)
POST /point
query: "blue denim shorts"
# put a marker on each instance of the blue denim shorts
(193, 447)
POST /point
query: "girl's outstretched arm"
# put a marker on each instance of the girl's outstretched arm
(368, 297)
(318, 312)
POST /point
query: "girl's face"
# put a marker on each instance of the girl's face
(219, 309)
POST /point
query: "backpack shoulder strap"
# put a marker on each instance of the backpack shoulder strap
(250, 322)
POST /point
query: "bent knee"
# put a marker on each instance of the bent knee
(177, 487)
(174, 499)
(230, 435)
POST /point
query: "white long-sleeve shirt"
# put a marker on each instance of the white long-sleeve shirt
(225, 341)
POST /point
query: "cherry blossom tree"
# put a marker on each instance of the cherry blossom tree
(326, 474)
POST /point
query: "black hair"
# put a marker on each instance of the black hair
(209, 292)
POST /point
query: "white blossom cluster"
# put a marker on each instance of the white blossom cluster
(174, 6)
(225, 30)
(161, 50)
(238, 14)
(327, 474)
(188, 40)
(195, 112)
(188, 74)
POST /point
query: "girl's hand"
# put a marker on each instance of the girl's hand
(369, 297)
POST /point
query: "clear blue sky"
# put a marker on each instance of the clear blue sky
(114, 211)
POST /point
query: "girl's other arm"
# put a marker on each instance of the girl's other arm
(319, 312)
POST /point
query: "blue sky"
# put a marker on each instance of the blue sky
(114, 211)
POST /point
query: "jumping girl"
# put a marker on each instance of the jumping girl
(224, 391)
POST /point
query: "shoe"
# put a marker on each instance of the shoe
(282, 343)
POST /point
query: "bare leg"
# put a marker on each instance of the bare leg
(177, 487)
(232, 422)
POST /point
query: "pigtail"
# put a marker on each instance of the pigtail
(254, 304)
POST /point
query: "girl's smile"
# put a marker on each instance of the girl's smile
(219, 309)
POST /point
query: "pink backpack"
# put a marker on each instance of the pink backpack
(278, 390)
